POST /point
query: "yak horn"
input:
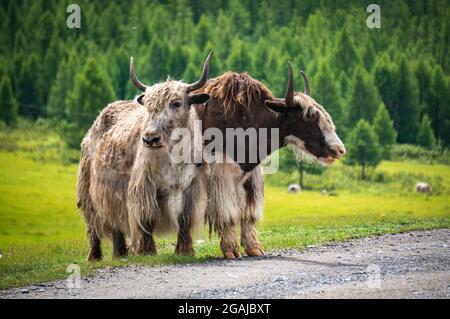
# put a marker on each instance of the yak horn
(203, 78)
(289, 96)
(305, 79)
(141, 86)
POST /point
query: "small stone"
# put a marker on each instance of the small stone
(280, 279)
(25, 291)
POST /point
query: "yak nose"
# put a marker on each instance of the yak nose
(153, 139)
(339, 150)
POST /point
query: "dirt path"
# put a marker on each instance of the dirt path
(409, 265)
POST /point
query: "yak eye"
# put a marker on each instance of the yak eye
(175, 104)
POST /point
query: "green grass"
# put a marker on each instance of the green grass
(41, 232)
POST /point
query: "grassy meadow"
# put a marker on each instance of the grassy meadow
(41, 232)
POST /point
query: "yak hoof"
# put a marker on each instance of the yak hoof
(147, 253)
(254, 252)
(232, 254)
(185, 252)
(93, 257)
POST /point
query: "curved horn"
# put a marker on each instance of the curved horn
(305, 79)
(289, 96)
(203, 77)
(141, 86)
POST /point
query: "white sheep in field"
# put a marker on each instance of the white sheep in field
(294, 188)
(423, 188)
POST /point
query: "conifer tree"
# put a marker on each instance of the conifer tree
(439, 109)
(327, 93)
(364, 99)
(425, 135)
(384, 128)
(407, 103)
(363, 148)
(240, 16)
(369, 56)
(155, 65)
(344, 84)
(385, 78)
(118, 65)
(191, 73)
(28, 84)
(239, 59)
(260, 58)
(8, 103)
(62, 85)
(346, 56)
(423, 73)
(202, 34)
(91, 92)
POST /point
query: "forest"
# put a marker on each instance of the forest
(382, 85)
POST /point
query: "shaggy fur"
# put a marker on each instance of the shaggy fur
(312, 109)
(237, 90)
(128, 190)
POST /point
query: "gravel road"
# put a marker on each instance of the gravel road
(408, 265)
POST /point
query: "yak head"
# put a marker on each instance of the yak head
(169, 106)
(305, 124)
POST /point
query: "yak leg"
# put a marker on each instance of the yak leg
(249, 238)
(146, 244)
(229, 243)
(95, 251)
(194, 205)
(119, 245)
(254, 189)
(184, 242)
(92, 231)
(142, 240)
(84, 203)
(226, 201)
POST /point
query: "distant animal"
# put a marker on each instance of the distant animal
(128, 186)
(325, 192)
(235, 188)
(422, 187)
(294, 188)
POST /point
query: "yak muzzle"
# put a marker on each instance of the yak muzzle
(152, 140)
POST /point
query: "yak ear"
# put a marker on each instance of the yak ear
(198, 98)
(277, 106)
(140, 99)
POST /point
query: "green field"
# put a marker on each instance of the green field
(41, 232)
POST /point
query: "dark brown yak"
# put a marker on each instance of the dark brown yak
(128, 185)
(235, 190)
